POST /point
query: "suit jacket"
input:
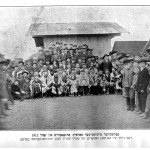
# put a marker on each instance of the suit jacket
(127, 77)
(143, 80)
(107, 65)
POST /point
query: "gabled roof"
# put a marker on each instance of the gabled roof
(146, 47)
(134, 47)
(79, 28)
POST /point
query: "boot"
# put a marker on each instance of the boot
(128, 103)
(7, 107)
(146, 115)
(132, 104)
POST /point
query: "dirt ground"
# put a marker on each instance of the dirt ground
(86, 112)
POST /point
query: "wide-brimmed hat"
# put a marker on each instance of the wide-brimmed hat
(127, 60)
(4, 61)
(143, 60)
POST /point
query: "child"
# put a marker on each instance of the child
(77, 69)
(73, 83)
(133, 86)
(100, 81)
(83, 83)
(127, 81)
(112, 81)
(26, 88)
(92, 82)
(36, 86)
(64, 84)
(118, 83)
(107, 81)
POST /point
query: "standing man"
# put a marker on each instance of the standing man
(4, 95)
(142, 84)
(127, 82)
(107, 63)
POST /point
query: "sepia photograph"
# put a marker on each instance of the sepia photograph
(74, 68)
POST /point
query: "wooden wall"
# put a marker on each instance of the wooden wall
(100, 44)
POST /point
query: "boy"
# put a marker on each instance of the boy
(127, 81)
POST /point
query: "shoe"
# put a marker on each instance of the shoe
(132, 108)
(128, 108)
(139, 113)
(147, 120)
(2, 116)
(5, 114)
(137, 110)
(9, 108)
(142, 115)
(146, 115)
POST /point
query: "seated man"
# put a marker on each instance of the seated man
(46, 84)
(36, 86)
(16, 92)
(56, 85)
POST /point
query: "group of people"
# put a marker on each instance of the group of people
(136, 85)
(71, 70)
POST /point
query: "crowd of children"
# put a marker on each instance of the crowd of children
(65, 70)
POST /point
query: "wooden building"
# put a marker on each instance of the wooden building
(129, 47)
(97, 35)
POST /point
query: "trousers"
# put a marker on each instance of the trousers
(142, 101)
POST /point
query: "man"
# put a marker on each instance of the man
(4, 95)
(113, 55)
(28, 65)
(142, 84)
(107, 63)
(41, 55)
(63, 55)
(47, 56)
(46, 84)
(127, 82)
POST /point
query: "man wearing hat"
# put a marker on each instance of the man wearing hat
(113, 55)
(107, 63)
(127, 82)
(4, 95)
(142, 84)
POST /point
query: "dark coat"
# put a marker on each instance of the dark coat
(107, 65)
(143, 80)
(3, 85)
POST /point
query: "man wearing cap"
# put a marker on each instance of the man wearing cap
(41, 55)
(47, 56)
(63, 55)
(127, 82)
(142, 84)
